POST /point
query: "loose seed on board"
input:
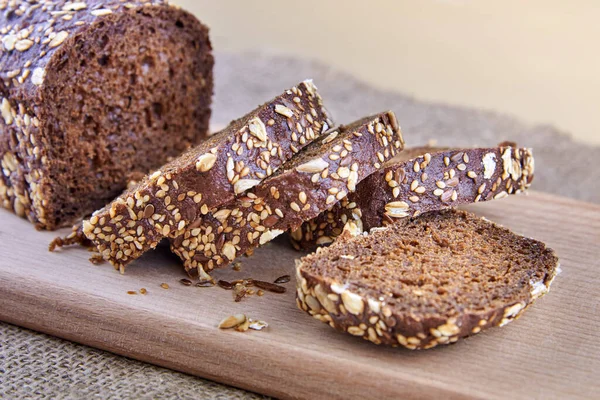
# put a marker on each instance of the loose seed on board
(232, 321)
(283, 279)
(271, 287)
(164, 285)
(185, 282)
(225, 285)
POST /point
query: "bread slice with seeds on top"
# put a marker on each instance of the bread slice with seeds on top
(227, 164)
(425, 280)
(311, 182)
(92, 91)
(423, 179)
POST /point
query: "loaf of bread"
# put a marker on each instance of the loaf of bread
(166, 202)
(314, 180)
(420, 180)
(91, 92)
(424, 281)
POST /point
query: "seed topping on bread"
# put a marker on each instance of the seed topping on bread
(314, 180)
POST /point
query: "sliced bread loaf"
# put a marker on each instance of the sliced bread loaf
(420, 180)
(227, 164)
(424, 281)
(311, 182)
(91, 92)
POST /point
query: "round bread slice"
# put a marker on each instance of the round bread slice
(313, 181)
(226, 164)
(424, 281)
(420, 180)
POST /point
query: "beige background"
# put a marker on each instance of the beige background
(536, 59)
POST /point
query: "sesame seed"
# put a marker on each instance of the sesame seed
(302, 197)
(100, 12)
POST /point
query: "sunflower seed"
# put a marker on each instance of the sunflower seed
(313, 166)
(271, 287)
(283, 279)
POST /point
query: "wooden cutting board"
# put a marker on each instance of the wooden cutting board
(553, 351)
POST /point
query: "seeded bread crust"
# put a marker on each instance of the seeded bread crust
(311, 182)
(419, 180)
(88, 95)
(227, 164)
(336, 285)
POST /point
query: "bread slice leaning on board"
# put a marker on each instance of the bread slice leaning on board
(423, 179)
(311, 182)
(166, 202)
(424, 281)
(93, 92)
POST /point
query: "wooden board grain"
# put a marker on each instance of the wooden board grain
(553, 351)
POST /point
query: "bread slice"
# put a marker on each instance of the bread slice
(227, 164)
(91, 92)
(420, 180)
(424, 281)
(311, 182)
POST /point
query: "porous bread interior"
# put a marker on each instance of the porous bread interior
(440, 264)
(130, 92)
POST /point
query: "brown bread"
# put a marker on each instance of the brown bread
(166, 202)
(424, 281)
(93, 91)
(314, 180)
(420, 180)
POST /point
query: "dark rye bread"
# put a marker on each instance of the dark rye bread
(311, 182)
(227, 164)
(90, 92)
(423, 179)
(424, 281)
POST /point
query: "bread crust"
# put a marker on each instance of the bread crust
(345, 308)
(311, 182)
(421, 180)
(170, 200)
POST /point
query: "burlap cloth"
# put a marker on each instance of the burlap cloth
(34, 365)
